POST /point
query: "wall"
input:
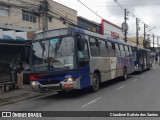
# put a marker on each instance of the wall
(15, 14)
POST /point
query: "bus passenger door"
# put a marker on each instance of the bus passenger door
(83, 61)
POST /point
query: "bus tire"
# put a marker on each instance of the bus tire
(95, 83)
(124, 74)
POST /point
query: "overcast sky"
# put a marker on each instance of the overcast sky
(147, 11)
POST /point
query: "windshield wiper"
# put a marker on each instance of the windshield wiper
(42, 45)
(55, 50)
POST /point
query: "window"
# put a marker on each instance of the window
(140, 55)
(117, 50)
(113, 46)
(4, 11)
(122, 50)
(83, 51)
(111, 49)
(121, 47)
(28, 16)
(54, 54)
(130, 51)
(103, 49)
(94, 47)
(50, 18)
(127, 51)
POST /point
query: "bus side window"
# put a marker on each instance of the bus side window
(122, 50)
(94, 47)
(130, 51)
(127, 51)
(111, 49)
(103, 49)
(117, 50)
(140, 54)
(83, 52)
(113, 46)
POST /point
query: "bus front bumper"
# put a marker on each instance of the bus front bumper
(60, 86)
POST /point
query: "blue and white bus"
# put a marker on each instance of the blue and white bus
(74, 58)
(142, 58)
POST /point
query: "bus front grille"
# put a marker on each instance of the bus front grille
(47, 82)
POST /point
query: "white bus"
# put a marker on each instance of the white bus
(74, 58)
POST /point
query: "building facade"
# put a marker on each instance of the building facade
(89, 25)
(133, 41)
(27, 14)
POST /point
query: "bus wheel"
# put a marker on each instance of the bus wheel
(125, 74)
(95, 83)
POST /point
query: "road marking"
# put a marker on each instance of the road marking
(134, 80)
(121, 87)
(91, 102)
(143, 76)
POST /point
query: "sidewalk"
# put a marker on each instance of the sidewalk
(18, 95)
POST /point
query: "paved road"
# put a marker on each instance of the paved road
(141, 92)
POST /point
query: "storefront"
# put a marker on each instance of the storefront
(11, 51)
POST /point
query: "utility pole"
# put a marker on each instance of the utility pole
(153, 40)
(137, 29)
(157, 41)
(44, 15)
(144, 41)
(149, 41)
(125, 22)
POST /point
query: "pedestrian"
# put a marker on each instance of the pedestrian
(20, 74)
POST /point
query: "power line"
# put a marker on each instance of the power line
(119, 4)
(89, 9)
(69, 21)
(133, 17)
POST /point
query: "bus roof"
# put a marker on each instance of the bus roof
(140, 48)
(70, 31)
(52, 33)
(82, 31)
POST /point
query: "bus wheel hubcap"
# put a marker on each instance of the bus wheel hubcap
(95, 82)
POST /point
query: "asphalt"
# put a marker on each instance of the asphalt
(139, 93)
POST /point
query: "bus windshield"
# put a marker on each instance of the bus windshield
(54, 54)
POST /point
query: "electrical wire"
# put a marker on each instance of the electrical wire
(89, 9)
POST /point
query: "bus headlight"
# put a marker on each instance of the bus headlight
(33, 83)
(70, 79)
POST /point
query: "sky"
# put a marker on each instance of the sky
(145, 10)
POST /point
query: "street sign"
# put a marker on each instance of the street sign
(124, 26)
(111, 30)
